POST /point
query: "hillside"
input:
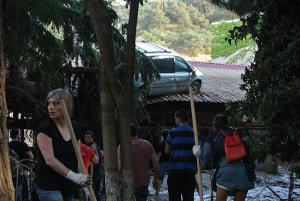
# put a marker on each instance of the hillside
(189, 27)
(182, 25)
(220, 46)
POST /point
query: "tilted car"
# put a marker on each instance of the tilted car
(176, 74)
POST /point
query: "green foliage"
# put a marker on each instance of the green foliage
(212, 12)
(176, 25)
(220, 46)
(37, 60)
(50, 44)
(272, 83)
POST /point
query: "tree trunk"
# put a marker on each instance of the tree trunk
(102, 19)
(125, 108)
(125, 119)
(6, 185)
(109, 134)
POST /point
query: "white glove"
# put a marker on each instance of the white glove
(77, 178)
(197, 150)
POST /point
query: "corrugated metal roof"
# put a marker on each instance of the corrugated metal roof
(221, 84)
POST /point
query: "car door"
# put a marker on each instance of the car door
(183, 73)
(167, 83)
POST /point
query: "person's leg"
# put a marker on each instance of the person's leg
(19, 192)
(96, 185)
(240, 195)
(164, 167)
(25, 188)
(188, 186)
(174, 187)
(141, 193)
(221, 194)
(45, 195)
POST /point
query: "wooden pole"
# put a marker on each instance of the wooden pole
(199, 175)
(76, 147)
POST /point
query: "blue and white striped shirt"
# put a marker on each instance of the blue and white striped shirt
(181, 141)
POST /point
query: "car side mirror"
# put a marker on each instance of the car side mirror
(190, 70)
(193, 74)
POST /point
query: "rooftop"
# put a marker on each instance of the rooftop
(221, 84)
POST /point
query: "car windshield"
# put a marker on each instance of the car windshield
(181, 65)
(164, 65)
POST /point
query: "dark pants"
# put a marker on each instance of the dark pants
(141, 193)
(181, 184)
(96, 184)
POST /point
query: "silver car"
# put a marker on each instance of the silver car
(176, 75)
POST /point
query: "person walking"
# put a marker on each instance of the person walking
(162, 156)
(143, 154)
(181, 175)
(57, 168)
(234, 178)
(97, 169)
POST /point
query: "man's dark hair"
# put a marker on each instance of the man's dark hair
(89, 132)
(133, 130)
(220, 122)
(183, 115)
(14, 133)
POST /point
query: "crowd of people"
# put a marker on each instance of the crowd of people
(56, 169)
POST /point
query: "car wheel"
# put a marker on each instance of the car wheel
(196, 87)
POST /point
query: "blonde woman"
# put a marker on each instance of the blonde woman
(57, 174)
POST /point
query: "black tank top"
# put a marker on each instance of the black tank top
(48, 179)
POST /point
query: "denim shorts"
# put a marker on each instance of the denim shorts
(48, 195)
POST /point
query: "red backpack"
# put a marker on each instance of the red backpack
(234, 146)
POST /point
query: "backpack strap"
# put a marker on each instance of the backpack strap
(235, 131)
(222, 132)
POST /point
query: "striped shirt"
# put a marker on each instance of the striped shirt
(181, 140)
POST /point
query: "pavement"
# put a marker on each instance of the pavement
(268, 187)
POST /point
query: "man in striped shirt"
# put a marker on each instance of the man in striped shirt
(181, 175)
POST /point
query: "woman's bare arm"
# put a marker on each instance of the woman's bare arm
(45, 145)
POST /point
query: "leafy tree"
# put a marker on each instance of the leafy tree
(272, 82)
(212, 12)
(164, 25)
(59, 50)
(38, 61)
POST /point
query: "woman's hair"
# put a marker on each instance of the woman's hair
(220, 122)
(133, 130)
(165, 133)
(62, 94)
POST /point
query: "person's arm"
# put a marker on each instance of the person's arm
(204, 153)
(155, 163)
(95, 159)
(167, 148)
(158, 156)
(156, 169)
(29, 155)
(45, 145)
